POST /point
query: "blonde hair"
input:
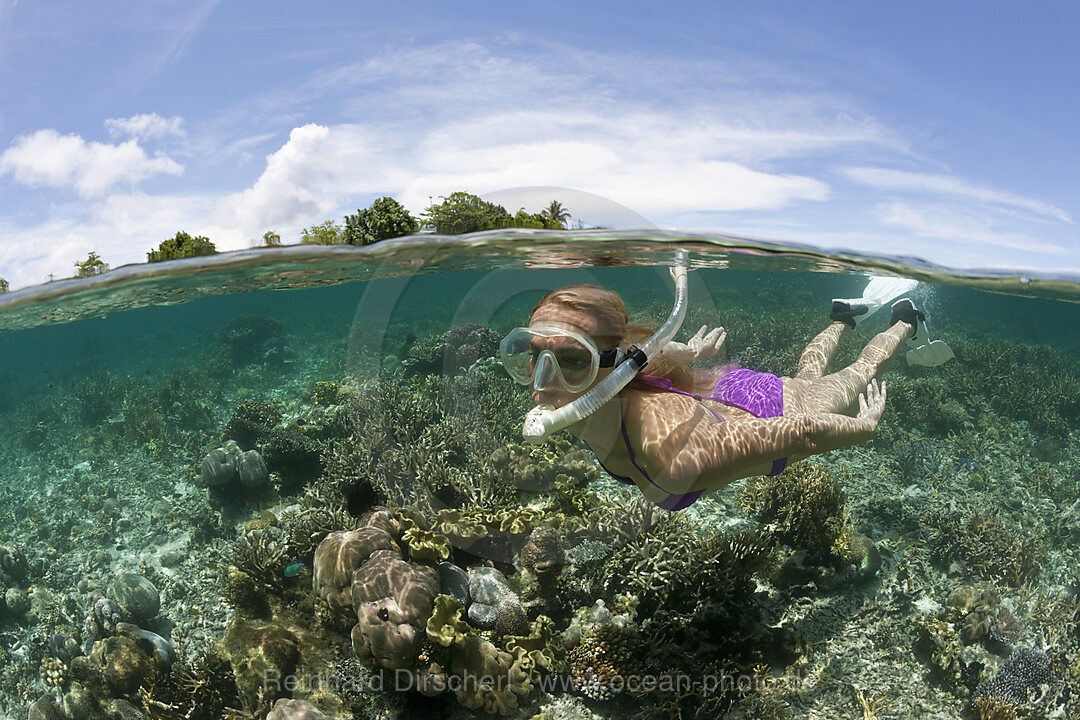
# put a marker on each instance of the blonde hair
(617, 331)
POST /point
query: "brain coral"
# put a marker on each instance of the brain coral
(339, 555)
(393, 600)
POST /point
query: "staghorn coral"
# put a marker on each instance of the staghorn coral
(261, 555)
(982, 540)
(309, 527)
(803, 507)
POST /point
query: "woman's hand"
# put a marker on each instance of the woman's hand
(704, 344)
(872, 404)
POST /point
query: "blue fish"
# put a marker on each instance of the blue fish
(294, 569)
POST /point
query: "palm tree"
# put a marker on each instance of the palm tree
(556, 213)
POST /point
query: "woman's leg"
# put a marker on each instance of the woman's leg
(819, 353)
(839, 392)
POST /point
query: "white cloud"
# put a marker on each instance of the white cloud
(320, 168)
(957, 224)
(886, 179)
(48, 158)
(145, 126)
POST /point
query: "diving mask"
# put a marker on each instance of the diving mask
(542, 354)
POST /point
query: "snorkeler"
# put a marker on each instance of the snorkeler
(677, 432)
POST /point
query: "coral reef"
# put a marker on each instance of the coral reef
(452, 352)
(248, 338)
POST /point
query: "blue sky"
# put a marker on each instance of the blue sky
(941, 130)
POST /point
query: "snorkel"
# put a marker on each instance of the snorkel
(543, 420)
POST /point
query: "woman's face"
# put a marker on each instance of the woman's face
(569, 319)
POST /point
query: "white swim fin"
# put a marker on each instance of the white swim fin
(927, 352)
(881, 290)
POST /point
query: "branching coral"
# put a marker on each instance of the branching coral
(251, 424)
(261, 554)
(983, 541)
(803, 507)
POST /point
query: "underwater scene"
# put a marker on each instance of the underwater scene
(292, 484)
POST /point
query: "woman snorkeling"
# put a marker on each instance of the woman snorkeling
(677, 432)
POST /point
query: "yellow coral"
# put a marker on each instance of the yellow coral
(445, 625)
(537, 648)
(426, 546)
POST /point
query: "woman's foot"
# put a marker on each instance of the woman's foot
(846, 313)
(903, 310)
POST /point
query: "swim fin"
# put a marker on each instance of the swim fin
(880, 290)
(927, 352)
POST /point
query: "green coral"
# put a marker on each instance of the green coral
(426, 546)
(445, 625)
(538, 649)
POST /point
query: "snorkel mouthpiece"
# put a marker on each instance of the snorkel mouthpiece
(543, 420)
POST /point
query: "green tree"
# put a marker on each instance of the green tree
(92, 265)
(4, 287)
(181, 245)
(463, 212)
(386, 218)
(271, 238)
(327, 233)
(556, 215)
(526, 220)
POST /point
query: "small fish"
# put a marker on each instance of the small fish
(294, 569)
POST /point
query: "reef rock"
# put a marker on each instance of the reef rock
(258, 653)
(136, 595)
(13, 562)
(454, 582)
(542, 553)
(121, 663)
(17, 601)
(252, 469)
(44, 709)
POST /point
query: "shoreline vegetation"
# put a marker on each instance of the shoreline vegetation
(385, 218)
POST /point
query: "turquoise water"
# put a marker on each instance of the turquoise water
(895, 578)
